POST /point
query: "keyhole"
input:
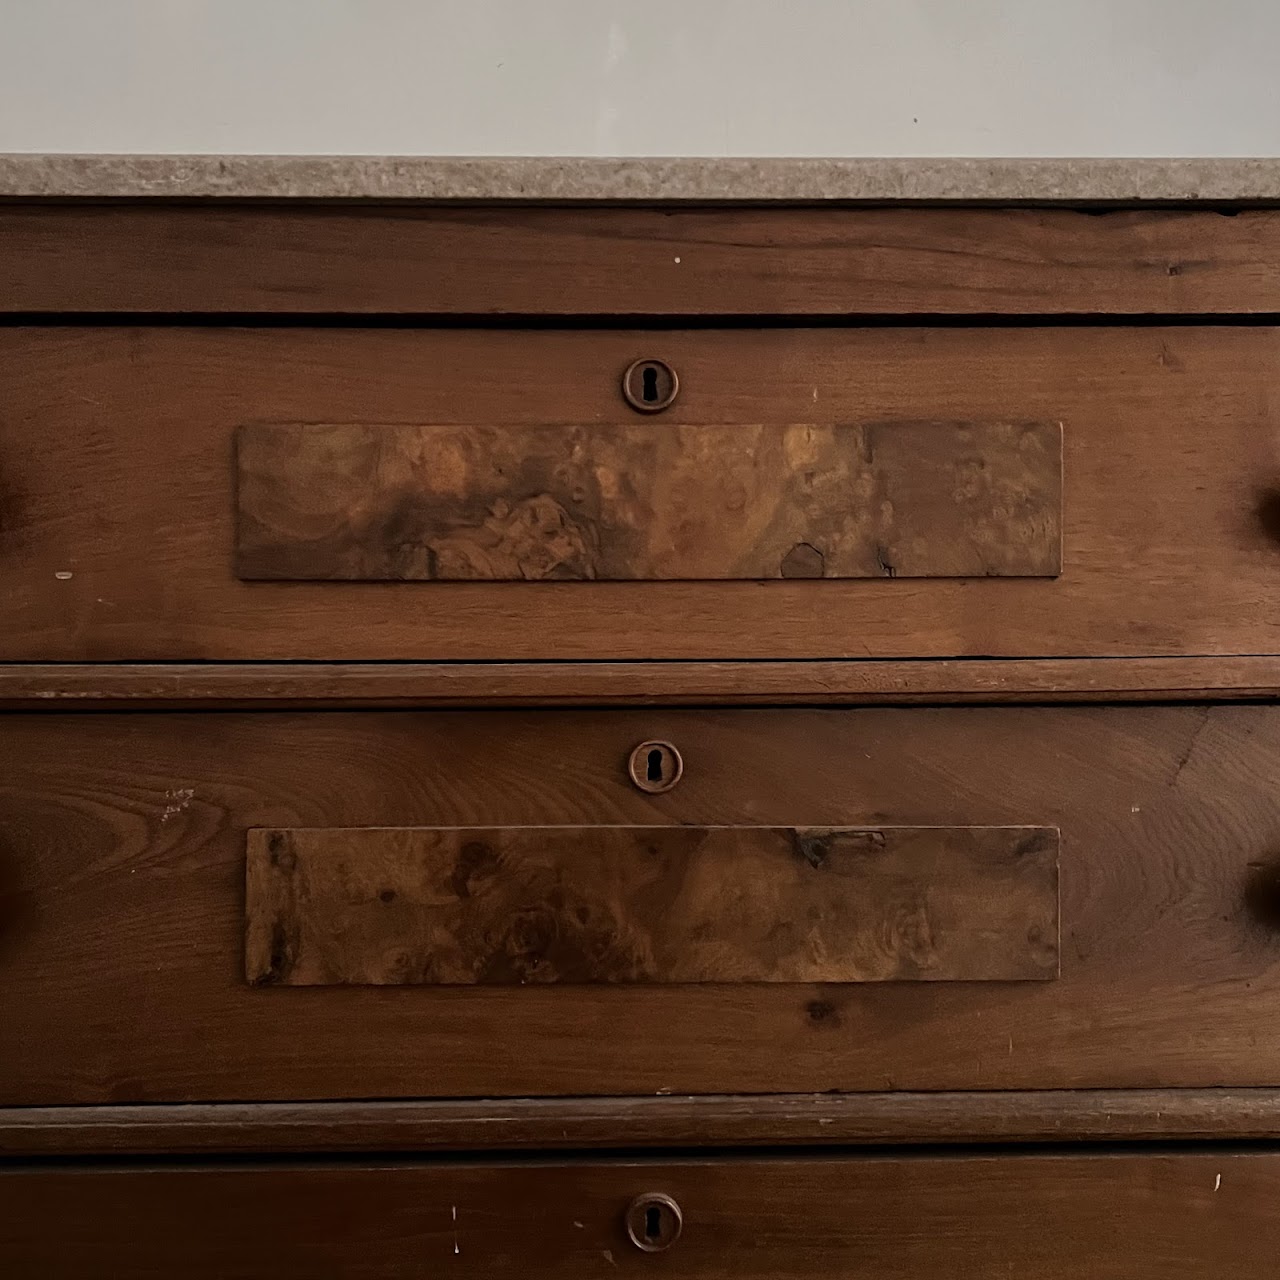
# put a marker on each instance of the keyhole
(652, 1222)
(650, 385)
(655, 766)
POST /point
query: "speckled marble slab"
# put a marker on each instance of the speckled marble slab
(567, 179)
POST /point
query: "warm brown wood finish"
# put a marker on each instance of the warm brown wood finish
(514, 905)
(118, 539)
(334, 465)
(742, 262)
(601, 1123)
(648, 501)
(121, 951)
(149, 686)
(1047, 1217)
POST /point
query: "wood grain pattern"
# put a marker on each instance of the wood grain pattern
(370, 260)
(1057, 1116)
(1180, 416)
(60, 686)
(1182, 1216)
(564, 905)
(122, 842)
(648, 501)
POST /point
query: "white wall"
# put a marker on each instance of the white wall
(643, 77)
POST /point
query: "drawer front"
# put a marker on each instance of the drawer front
(1108, 1217)
(280, 493)
(126, 840)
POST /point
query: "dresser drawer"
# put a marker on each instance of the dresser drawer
(374, 493)
(274, 905)
(1108, 1217)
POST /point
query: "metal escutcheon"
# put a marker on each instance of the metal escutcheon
(654, 1222)
(650, 385)
(655, 766)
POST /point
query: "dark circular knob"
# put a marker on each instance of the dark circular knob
(1262, 891)
(650, 385)
(654, 1222)
(655, 766)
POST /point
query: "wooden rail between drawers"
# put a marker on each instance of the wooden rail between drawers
(72, 686)
(370, 259)
(626, 1123)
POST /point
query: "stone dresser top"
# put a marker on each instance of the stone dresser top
(492, 179)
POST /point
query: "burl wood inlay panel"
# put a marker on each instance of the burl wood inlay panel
(516, 905)
(649, 501)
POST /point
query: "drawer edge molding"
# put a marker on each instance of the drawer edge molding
(71, 686)
(624, 1123)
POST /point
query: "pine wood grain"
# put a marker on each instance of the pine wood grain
(620, 502)
(122, 844)
(367, 260)
(1051, 1217)
(116, 462)
(514, 905)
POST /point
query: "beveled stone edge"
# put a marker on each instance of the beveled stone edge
(689, 179)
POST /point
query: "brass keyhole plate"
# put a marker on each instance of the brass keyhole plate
(650, 385)
(654, 1222)
(655, 766)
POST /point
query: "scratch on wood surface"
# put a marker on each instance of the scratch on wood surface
(179, 799)
(1202, 723)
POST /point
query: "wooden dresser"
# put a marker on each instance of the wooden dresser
(624, 732)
